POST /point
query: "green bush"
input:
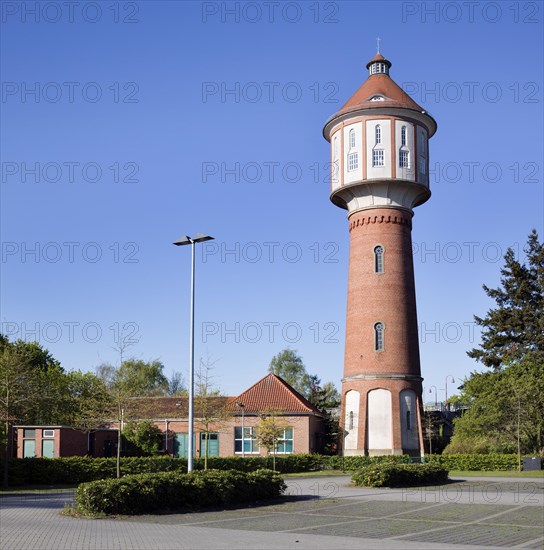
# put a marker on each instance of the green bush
(479, 462)
(143, 493)
(72, 470)
(400, 475)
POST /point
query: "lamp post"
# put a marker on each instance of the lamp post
(243, 407)
(453, 382)
(435, 395)
(199, 238)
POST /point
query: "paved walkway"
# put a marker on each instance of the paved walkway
(321, 513)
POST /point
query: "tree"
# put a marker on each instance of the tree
(144, 436)
(269, 431)
(289, 366)
(506, 409)
(515, 328)
(137, 378)
(209, 410)
(33, 389)
(505, 412)
(176, 384)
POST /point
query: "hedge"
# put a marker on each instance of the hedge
(144, 493)
(400, 475)
(73, 470)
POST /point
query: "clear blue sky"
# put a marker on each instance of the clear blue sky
(152, 120)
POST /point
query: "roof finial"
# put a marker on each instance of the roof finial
(378, 44)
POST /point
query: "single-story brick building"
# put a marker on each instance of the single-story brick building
(228, 423)
(56, 441)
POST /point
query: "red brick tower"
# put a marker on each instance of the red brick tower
(380, 158)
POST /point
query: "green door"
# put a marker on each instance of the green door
(213, 444)
(181, 445)
(29, 448)
(48, 448)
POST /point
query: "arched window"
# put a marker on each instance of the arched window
(350, 420)
(403, 136)
(351, 138)
(378, 259)
(378, 134)
(378, 337)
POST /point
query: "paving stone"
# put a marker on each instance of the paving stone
(460, 513)
(384, 528)
(478, 534)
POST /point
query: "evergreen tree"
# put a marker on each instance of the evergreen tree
(514, 330)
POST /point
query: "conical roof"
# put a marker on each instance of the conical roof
(379, 90)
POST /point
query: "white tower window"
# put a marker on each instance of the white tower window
(378, 158)
(350, 421)
(378, 259)
(404, 159)
(378, 134)
(353, 161)
(403, 136)
(352, 138)
(378, 337)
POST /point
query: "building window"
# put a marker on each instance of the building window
(378, 337)
(353, 161)
(285, 442)
(48, 433)
(351, 138)
(29, 432)
(335, 150)
(408, 425)
(378, 157)
(350, 420)
(249, 441)
(403, 136)
(378, 259)
(404, 159)
(378, 134)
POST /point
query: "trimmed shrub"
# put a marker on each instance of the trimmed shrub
(400, 475)
(143, 493)
(72, 470)
(471, 462)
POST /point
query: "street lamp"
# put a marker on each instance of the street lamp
(242, 407)
(435, 395)
(453, 382)
(199, 238)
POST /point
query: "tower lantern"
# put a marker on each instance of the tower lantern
(380, 159)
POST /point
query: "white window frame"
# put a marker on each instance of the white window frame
(353, 161)
(379, 341)
(377, 134)
(378, 259)
(283, 439)
(378, 157)
(248, 435)
(352, 139)
(404, 159)
(46, 435)
(403, 136)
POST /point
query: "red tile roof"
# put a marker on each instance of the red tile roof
(379, 84)
(272, 393)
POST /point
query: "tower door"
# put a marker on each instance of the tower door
(379, 433)
(408, 420)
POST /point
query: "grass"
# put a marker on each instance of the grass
(509, 473)
(37, 489)
(319, 473)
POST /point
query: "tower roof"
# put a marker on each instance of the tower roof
(379, 90)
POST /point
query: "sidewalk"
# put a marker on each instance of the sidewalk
(327, 514)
